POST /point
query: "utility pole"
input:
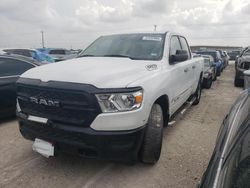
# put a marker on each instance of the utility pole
(42, 39)
(155, 26)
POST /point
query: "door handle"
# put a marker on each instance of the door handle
(193, 67)
(186, 70)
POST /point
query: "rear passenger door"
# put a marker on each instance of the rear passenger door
(180, 73)
(190, 64)
(10, 70)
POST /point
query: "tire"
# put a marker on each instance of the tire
(151, 146)
(218, 73)
(197, 94)
(215, 75)
(208, 83)
(238, 82)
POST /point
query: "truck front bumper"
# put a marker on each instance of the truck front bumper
(112, 145)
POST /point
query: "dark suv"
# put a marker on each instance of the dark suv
(229, 166)
(242, 63)
(11, 66)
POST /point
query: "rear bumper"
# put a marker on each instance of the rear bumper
(112, 145)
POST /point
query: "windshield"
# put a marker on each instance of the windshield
(133, 46)
(206, 62)
(246, 53)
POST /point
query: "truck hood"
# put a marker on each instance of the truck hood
(102, 72)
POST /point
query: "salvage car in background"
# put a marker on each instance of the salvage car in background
(225, 58)
(209, 71)
(11, 67)
(242, 63)
(30, 53)
(233, 54)
(229, 166)
(58, 54)
(217, 59)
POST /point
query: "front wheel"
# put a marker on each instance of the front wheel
(238, 82)
(208, 83)
(151, 147)
(197, 94)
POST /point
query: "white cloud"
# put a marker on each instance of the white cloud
(77, 22)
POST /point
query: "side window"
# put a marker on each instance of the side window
(184, 46)
(13, 67)
(174, 45)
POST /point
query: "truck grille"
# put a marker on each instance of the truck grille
(75, 107)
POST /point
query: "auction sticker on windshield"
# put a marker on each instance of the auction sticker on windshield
(152, 38)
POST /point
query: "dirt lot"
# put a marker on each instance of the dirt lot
(187, 147)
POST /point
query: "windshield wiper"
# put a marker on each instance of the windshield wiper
(109, 55)
(86, 55)
(118, 55)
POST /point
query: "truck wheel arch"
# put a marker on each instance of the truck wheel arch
(163, 101)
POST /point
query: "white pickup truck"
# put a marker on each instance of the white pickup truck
(113, 100)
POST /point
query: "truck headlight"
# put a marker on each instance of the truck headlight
(120, 102)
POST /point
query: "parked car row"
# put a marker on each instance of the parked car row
(215, 61)
(42, 55)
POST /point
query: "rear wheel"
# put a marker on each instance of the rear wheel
(197, 94)
(151, 147)
(215, 75)
(218, 73)
(208, 83)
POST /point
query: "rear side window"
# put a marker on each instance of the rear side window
(184, 46)
(13, 67)
(60, 52)
(174, 45)
(26, 53)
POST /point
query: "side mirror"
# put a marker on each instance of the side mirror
(181, 55)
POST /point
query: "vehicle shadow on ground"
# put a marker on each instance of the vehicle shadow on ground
(7, 120)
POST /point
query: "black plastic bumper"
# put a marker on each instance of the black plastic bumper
(112, 145)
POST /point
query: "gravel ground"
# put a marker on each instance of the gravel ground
(187, 147)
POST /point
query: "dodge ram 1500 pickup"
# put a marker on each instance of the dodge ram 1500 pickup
(113, 100)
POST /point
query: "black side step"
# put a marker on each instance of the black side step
(179, 114)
